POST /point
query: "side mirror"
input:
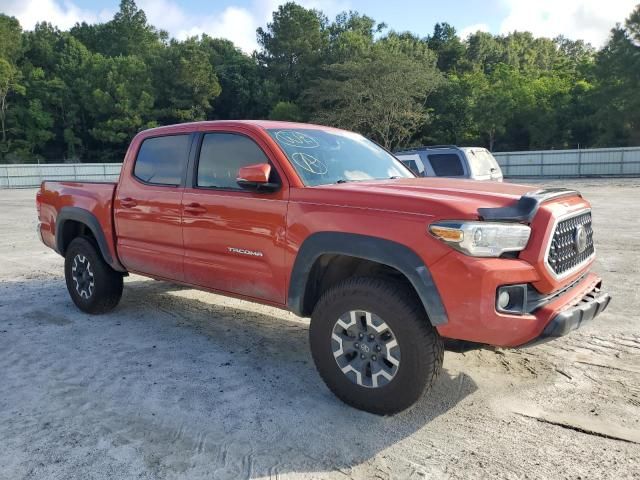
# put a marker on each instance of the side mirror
(256, 177)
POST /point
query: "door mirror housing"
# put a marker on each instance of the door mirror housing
(256, 177)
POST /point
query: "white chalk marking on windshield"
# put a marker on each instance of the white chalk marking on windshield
(309, 163)
(297, 139)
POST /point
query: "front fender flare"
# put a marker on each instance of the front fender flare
(374, 249)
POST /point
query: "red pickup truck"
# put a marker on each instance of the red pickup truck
(327, 224)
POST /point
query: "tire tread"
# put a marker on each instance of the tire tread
(412, 310)
(109, 286)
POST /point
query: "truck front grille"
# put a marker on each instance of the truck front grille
(564, 252)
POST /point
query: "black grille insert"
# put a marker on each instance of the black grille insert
(563, 252)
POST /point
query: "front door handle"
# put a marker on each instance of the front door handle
(128, 202)
(195, 209)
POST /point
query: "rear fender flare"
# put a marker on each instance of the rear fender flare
(379, 250)
(87, 218)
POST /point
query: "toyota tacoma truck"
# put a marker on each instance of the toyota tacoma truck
(327, 224)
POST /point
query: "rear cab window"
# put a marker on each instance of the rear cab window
(163, 160)
(446, 164)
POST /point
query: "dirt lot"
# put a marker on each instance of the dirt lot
(176, 383)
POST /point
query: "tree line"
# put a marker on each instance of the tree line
(80, 95)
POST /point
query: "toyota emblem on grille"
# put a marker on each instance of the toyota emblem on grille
(580, 238)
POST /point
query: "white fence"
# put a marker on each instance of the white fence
(571, 163)
(30, 175)
(544, 163)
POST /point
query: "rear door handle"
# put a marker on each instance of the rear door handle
(195, 209)
(128, 202)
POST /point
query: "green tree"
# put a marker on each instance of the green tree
(10, 39)
(292, 47)
(350, 35)
(617, 83)
(452, 118)
(35, 127)
(245, 90)
(186, 83)
(81, 94)
(382, 95)
(482, 53)
(494, 100)
(119, 100)
(287, 111)
(9, 77)
(74, 115)
(128, 33)
(542, 111)
(447, 45)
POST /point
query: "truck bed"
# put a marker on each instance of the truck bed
(73, 200)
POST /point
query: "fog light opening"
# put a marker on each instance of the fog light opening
(512, 299)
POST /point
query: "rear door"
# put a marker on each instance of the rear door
(234, 238)
(148, 208)
(482, 164)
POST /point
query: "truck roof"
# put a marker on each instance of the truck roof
(204, 125)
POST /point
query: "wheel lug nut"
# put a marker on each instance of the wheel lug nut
(371, 337)
(361, 336)
(357, 345)
(374, 358)
(378, 348)
(362, 356)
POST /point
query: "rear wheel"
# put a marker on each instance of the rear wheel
(373, 344)
(92, 284)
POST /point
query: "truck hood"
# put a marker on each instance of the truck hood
(439, 197)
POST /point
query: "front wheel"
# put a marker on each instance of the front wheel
(373, 345)
(93, 285)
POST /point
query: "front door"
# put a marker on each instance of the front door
(234, 239)
(148, 208)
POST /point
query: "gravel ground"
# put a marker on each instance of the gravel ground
(177, 383)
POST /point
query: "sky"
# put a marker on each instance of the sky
(237, 20)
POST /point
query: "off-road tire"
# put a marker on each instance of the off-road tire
(107, 284)
(421, 347)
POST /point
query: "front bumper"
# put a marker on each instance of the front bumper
(468, 289)
(589, 307)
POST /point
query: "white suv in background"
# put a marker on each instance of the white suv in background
(475, 163)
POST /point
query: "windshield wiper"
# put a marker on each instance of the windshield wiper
(342, 180)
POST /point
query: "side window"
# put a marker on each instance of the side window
(162, 160)
(413, 162)
(221, 157)
(446, 164)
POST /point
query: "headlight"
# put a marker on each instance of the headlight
(482, 239)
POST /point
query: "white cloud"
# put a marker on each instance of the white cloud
(471, 29)
(235, 23)
(63, 14)
(589, 20)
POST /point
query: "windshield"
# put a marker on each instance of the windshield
(322, 157)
